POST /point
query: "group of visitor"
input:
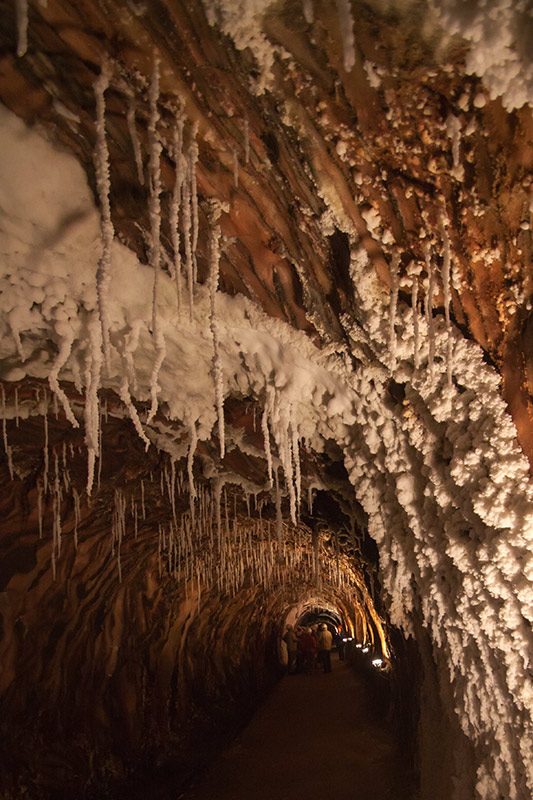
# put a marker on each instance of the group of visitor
(310, 648)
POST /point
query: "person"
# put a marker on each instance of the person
(291, 640)
(307, 645)
(340, 643)
(325, 641)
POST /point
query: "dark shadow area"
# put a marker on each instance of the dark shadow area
(316, 735)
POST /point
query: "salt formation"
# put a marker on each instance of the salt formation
(414, 307)
(22, 26)
(7, 447)
(429, 306)
(179, 177)
(62, 357)
(155, 231)
(92, 410)
(214, 258)
(308, 11)
(241, 19)
(453, 128)
(499, 36)
(192, 156)
(346, 28)
(135, 141)
(103, 184)
(446, 277)
(187, 227)
(392, 309)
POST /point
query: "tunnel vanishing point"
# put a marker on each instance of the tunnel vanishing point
(266, 349)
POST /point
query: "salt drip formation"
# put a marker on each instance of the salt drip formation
(265, 346)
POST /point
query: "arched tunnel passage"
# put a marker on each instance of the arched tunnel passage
(264, 348)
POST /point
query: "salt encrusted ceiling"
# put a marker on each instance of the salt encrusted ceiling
(350, 163)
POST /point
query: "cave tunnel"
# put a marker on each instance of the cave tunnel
(265, 314)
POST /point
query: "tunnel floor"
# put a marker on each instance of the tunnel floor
(315, 736)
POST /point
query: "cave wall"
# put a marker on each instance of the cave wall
(364, 199)
(120, 674)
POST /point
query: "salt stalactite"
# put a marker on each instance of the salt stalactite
(58, 494)
(45, 449)
(155, 229)
(143, 507)
(310, 500)
(453, 129)
(266, 437)
(297, 468)
(246, 142)
(160, 353)
(235, 168)
(65, 348)
(16, 406)
(179, 177)
(100, 455)
(309, 13)
(395, 261)
(429, 307)
(103, 185)
(91, 411)
(214, 262)
(346, 27)
(125, 396)
(40, 507)
(66, 473)
(443, 227)
(186, 216)
(131, 342)
(77, 515)
(119, 527)
(54, 534)
(288, 457)
(154, 206)
(173, 490)
(18, 342)
(416, 332)
(7, 446)
(218, 515)
(134, 136)
(279, 516)
(190, 462)
(193, 161)
(21, 10)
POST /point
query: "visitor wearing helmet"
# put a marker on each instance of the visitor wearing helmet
(325, 642)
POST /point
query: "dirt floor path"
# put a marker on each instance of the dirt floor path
(315, 737)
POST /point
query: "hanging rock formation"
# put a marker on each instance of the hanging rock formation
(264, 348)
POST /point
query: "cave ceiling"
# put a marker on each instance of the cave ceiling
(267, 273)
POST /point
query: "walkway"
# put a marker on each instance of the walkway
(316, 737)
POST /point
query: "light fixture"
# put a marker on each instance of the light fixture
(359, 645)
(377, 662)
(366, 649)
